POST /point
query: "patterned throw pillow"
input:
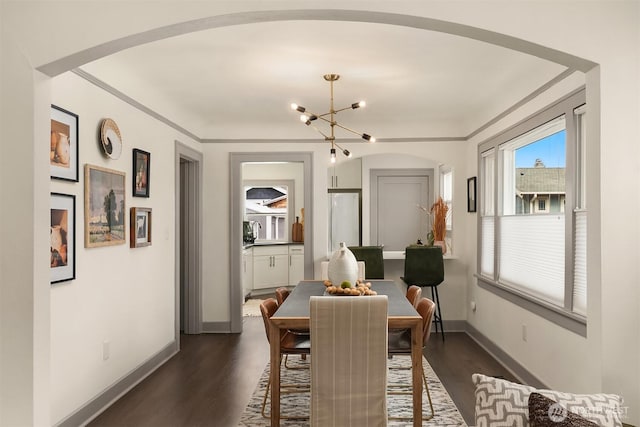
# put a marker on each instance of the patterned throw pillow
(501, 403)
(544, 412)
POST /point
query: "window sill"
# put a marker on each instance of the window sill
(568, 320)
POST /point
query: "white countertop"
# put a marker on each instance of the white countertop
(401, 255)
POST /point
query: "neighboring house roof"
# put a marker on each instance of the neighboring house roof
(278, 202)
(540, 180)
(264, 193)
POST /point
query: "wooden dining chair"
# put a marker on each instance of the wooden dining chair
(289, 344)
(400, 345)
(414, 294)
(349, 362)
(281, 295)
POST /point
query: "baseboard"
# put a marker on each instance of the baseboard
(452, 326)
(216, 327)
(512, 365)
(98, 404)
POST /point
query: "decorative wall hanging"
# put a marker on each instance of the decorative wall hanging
(141, 165)
(104, 207)
(111, 139)
(471, 194)
(63, 237)
(140, 227)
(63, 149)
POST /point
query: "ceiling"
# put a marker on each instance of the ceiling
(237, 82)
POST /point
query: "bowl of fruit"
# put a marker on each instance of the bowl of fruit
(346, 289)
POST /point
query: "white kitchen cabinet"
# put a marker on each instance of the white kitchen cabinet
(270, 266)
(247, 271)
(345, 174)
(296, 264)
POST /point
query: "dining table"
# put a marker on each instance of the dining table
(294, 314)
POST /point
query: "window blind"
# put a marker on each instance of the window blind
(486, 254)
(532, 254)
(580, 263)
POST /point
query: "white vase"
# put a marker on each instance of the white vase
(343, 266)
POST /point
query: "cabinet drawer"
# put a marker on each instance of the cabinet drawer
(270, 250)
(296, 250)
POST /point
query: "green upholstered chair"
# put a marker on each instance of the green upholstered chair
(372, 258)
(424, 267)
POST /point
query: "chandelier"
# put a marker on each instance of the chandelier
(308, 118)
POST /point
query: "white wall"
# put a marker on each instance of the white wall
(602, 31)
(121, 295)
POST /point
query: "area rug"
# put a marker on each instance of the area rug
(251, 307)
(297, 404)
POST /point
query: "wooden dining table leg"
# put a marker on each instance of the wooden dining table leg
(274, 372)
(416, 364)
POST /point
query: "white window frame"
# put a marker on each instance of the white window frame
(288, 216)
(446, 192)
(491, 185)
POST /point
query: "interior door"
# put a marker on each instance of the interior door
(398, 221)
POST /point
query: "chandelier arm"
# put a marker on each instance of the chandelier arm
(345, 108)
(336, 144)
(311, 113)
(326, 137)
(348, 129)
(347, 153)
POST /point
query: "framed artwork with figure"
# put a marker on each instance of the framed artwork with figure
(140, 227)
(141, 165)
(104, 207)
(63, 237)
(63, 146)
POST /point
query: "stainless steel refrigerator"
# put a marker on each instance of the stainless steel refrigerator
(345, 218)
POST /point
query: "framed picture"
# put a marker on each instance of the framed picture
(141, 164)
(471, 194)
(104, 207)
(63, 148)
(140, 227)
(63, 237)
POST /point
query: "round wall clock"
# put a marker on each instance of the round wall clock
(111, 139)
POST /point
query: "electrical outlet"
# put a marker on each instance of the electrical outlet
(524, 333)
(105, 350)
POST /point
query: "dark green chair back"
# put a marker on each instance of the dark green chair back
(373, 260)
(423, 266)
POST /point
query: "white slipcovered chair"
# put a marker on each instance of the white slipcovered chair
(349, 363)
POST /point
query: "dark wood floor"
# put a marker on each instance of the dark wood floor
(210, 381)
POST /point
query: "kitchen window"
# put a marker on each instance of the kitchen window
(267, 210)
(532, 225)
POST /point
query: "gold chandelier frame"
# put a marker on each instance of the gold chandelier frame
(308, 117)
